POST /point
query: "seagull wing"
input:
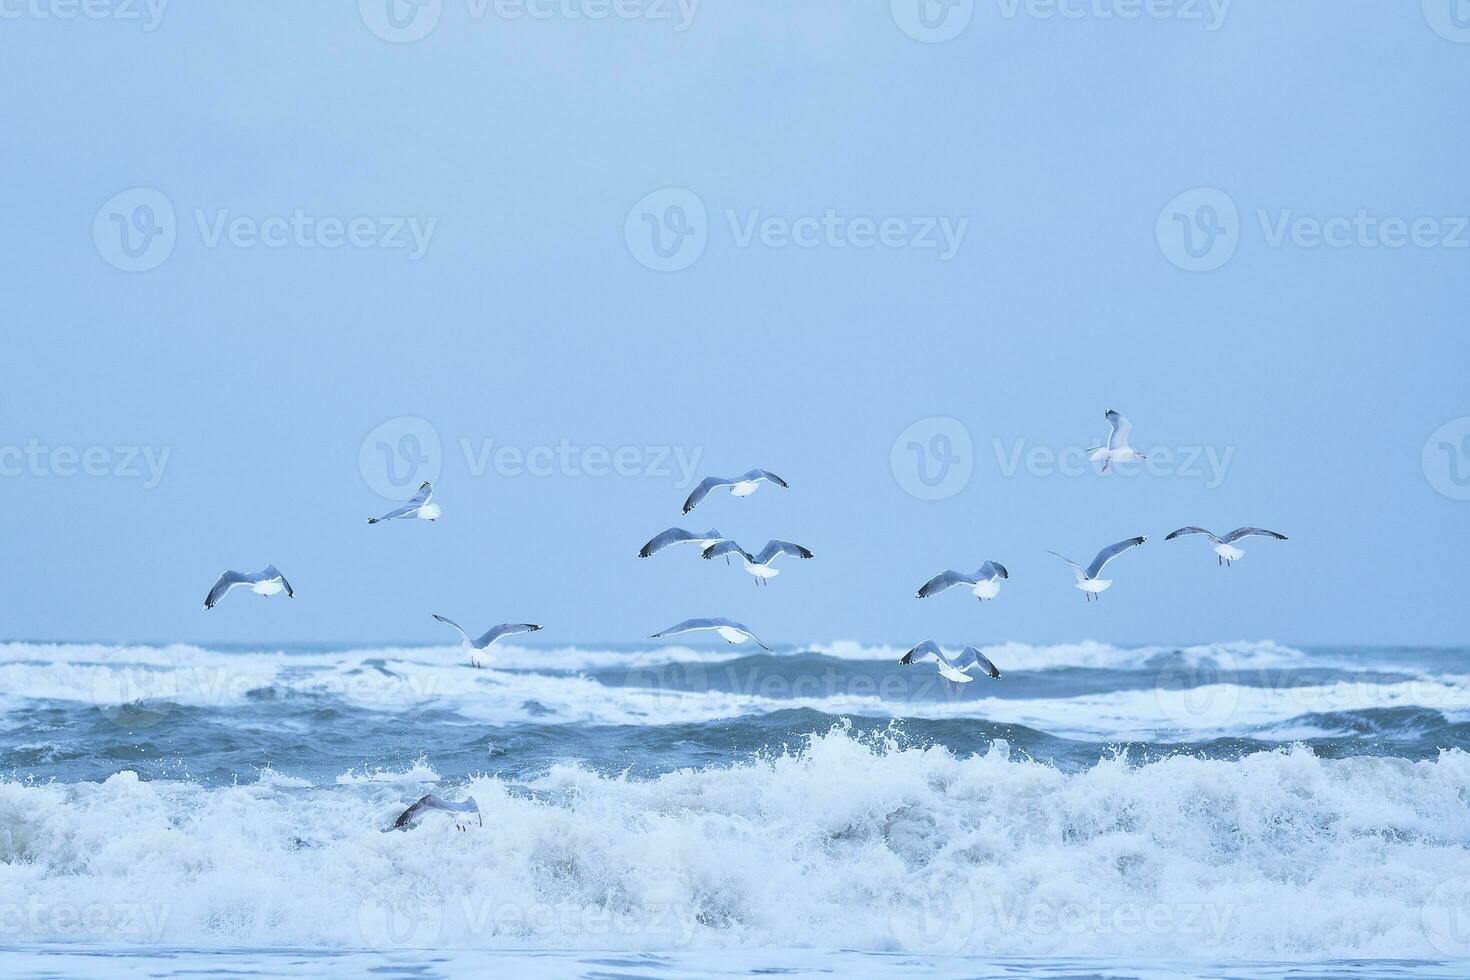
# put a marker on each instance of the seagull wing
(928, 650)
(719, 621)
(727, 547)
(1067, 560)
(1109, 553)
(504, 629)
(943, 581)
(1122, 429)
(226, 582)
(674, 535)
(774, 548)
(702, 490)
(432, 802)
(688, 626)
(272, 572)
(449, 622)
(992, 570)
(765, 475)
(1191, 530)
(1245, 532)
(972, 655)
(421, 497)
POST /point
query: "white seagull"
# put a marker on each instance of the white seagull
(418, 506)
(1087, 578)
(954, 670)
(1224, 553)
(1117, 450)
(984, 584)
(425, 804)
(504, 629)
(740, 486)
(267, 582)
(677, 535)
(761, 565)
(729, 630)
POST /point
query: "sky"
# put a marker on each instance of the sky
(268, 265)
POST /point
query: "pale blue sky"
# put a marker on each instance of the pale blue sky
(528, 320)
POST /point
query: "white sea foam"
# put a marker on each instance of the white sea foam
(846, 843)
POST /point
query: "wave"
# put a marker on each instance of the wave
(867, 843)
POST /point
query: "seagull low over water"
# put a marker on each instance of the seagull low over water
(740, 486)
(1225, 553)
(729, 630)
(677, 535)
(504, 629)
(417, 506)
(267, 582)
(983, 584)
(761, 565)
(1117, 450)
(956, 669)
(1087, 578)
(430, 803)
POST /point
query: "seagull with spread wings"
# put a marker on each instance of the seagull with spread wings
(740, 486)
(267, 582)
(431, 803)
(1087, 578)
(954, 669)
(761, 565)
(418, 506)
(1117, 450)
(983, 584)
(729, 630)
(1225, 551)
(476, 645)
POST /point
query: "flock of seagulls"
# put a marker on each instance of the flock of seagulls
(984, 583)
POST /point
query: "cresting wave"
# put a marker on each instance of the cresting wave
(847, 842)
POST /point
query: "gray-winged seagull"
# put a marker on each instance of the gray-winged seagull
(1087, 578)
(1224, 553)
(1117, 450)
(983, 584)
(267, 582)
(729, 630)
(740, 486)
(951, 669)
(504, 629)
(761, 565)
(431, 802)
(417, 506)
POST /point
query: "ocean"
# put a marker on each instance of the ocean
(1243, 809)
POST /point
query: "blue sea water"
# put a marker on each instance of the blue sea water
(1223, 810)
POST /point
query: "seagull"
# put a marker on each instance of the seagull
(984, 584)
(729, 630)
(740, 486)
(758, 565)
(954, 670)
(1117, 450)
(504, 629)
(418, 506)
(677, 535)
(407, 818)
(1087, 578)
(1224, 553)
(267, 582)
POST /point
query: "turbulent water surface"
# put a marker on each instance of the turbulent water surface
(1237, 809)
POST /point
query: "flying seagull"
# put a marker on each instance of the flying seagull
(504, 629)
(955, 670)
(729, 630)
(1087, 578)
(1224, 553)
(984, 584)
(762, 565)
(408, 817)
(418, 506)
(740, 486)
(267, 582)
(1117, 450)
(677, 535)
